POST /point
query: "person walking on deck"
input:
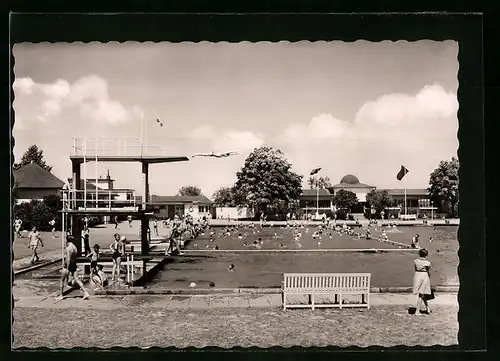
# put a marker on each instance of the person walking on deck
(69, 270)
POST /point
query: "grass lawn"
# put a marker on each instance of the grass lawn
(20, 245)
(258, 269)
(147, 327)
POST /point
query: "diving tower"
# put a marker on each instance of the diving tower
(80, 200)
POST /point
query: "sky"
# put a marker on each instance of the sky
(357, 108)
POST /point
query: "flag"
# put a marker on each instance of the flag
(314, 171)
(402, 173)
(158, 121)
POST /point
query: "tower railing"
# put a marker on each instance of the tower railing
(105, 146)
(115, 199)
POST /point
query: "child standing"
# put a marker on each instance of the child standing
(35, 242)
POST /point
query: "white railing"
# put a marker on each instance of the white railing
(103, 199)
(100, 147)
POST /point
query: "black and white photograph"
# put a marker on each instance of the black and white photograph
(235, 194)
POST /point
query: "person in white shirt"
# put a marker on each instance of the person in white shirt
(34, 243)
(53, 226)
(17, 227)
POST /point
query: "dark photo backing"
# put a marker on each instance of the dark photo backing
(466, 29)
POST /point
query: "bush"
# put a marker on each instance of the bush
(41, 216)
(24, 211)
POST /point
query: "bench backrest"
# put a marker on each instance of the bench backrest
(326, 281)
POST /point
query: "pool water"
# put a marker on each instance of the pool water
(264, 269)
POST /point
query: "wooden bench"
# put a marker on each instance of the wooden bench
(323, 284)
(408, 217)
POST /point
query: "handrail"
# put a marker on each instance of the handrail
(106, 197)
(113, 147)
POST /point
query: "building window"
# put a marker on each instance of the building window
(201, 209)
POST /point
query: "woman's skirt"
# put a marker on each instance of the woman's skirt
(421, 283)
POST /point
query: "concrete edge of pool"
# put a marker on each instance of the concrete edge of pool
(246, 291)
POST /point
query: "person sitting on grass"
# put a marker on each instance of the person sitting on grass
(100, 278)
(422, 281)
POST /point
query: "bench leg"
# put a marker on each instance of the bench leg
(283, 298)
(312, 299)
(340, 303)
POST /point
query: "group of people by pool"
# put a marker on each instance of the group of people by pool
(183, 229)
(98, 277)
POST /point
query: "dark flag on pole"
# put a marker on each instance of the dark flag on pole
(402, 173)
(314, 171)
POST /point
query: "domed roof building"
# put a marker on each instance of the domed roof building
(349, 179)
(351, 183)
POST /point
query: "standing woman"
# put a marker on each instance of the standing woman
(422, 281)
(117, 252)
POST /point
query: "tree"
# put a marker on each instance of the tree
(35, 155)
(53, 202)
(24, 211)
(443, 184)
(189, 191)
(319, 182)
(266, 179)
(226, 197)
(379, 200)
(345, 200)
(15, 193)
(41, 215)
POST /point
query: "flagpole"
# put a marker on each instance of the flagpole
(142, 129)
(317, 199)
(406, 209)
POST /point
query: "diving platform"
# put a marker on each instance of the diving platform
(129, 159)
(82, 198)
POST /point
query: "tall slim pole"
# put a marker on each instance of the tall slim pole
(142, 129)
(317, 200)
(406, 209)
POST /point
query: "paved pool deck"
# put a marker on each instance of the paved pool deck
(75, 300)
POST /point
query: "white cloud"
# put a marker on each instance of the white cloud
(431, 103)
(227, 140)
(23, 85)
(385, 132)
(202, 132)
(392, 116)
(89, 94)
(240, 141)
(322, 126)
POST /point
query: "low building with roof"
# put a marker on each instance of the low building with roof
(34, 183)
(351, 183)
(166, 207)
(416, 199)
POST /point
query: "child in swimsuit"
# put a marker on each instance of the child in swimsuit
(117, 252)
(100, 278)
